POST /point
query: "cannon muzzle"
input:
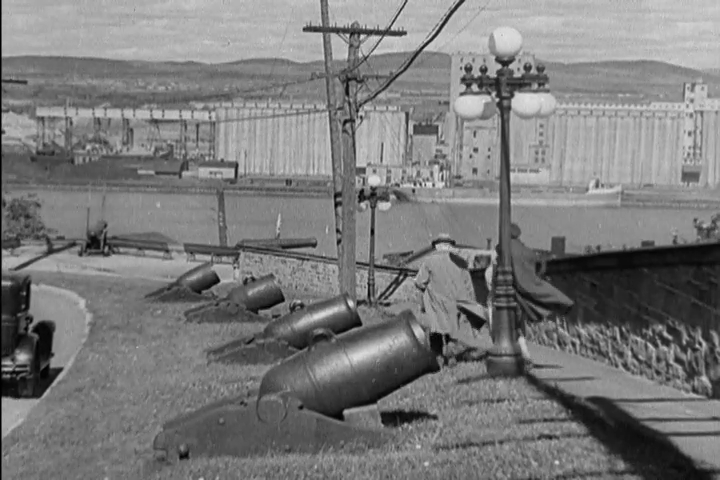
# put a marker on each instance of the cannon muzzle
(199, 279)
(291, 333)
(242, 304)
(257, 294)
(189, 286)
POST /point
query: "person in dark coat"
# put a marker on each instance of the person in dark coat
(537, 299)
(449, 310)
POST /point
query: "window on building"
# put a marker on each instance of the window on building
(474, 133)
(474, 171)
(476, 149)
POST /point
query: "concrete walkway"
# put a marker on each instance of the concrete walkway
(690, 423)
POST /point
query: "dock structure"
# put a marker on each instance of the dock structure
(153, 115)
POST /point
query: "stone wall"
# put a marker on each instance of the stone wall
(653, 312)
(314, 273)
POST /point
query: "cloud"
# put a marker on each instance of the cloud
(226, 30)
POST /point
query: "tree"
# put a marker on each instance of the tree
(21, 218)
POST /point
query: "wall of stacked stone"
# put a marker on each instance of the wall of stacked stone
(653, 312)
(316, 274)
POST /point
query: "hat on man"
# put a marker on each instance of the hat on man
(515, 231)
(443, 238)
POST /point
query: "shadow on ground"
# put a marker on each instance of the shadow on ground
(9, 389)
(624, 438)
(398, 418)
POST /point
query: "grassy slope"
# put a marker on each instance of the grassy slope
(141, 367)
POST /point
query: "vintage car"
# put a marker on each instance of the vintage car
(26, 348)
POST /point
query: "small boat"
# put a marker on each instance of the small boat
(605, 190)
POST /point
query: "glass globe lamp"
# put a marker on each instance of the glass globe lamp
(505, 43)
(526, 104)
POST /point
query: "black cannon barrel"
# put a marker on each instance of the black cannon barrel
(338, 314)
(354, 369)
(199, 278)
(282, 243)
(258, 294)
(120, 242)
(207, 249)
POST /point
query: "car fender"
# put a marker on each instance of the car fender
(43, 328)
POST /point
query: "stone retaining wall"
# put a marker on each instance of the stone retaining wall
(313, 273)
(653, 312)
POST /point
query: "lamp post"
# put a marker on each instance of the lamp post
(371, 197)
(528, 97)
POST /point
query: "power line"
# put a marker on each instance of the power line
(389, 27)
(282, 42)
(407, 63)
(463, 28)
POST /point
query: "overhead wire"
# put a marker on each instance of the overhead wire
(282, 43)
(479, 11)
(386, 30)
(409, 61)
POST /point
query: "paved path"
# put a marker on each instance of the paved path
(690, 422)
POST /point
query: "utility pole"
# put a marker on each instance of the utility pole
(221, 218)
(335, 146)
(351, 79)
(349, 162)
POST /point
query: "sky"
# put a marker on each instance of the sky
(227, 30)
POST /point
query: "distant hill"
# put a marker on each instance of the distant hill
(94, 80)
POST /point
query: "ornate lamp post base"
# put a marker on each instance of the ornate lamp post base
(505, 358)
(504, 363)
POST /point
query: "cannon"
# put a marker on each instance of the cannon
(96, 241)
(242, 303)
(26, 351)
(189, 287)
(289, 334)
(279, 243)
(323, 397)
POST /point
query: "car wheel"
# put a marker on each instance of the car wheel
(27, 387)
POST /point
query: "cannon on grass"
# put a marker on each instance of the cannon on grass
(189, 287)
(96, 241)
(289, 334)
(323, 397)
(242, 303)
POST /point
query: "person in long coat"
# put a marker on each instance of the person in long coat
(445, 282)
(537, 299)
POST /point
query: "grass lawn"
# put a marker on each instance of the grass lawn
(142, 366)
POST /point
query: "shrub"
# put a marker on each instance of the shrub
(21, 218)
